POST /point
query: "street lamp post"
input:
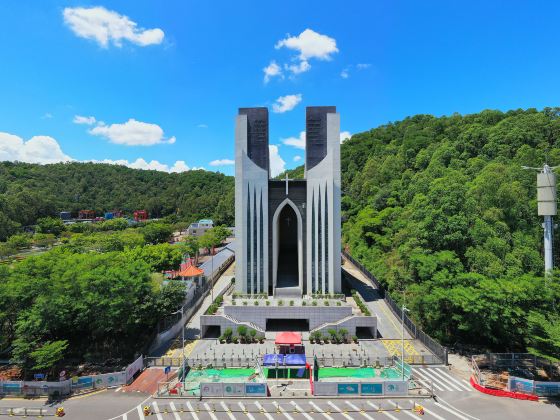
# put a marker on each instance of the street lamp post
(182, 312)
(402, 339)
(212, 274)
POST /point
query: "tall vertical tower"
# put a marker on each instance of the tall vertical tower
(546, 198)
(322, 172)
(251, 200)
(547, 207)
(287, 231)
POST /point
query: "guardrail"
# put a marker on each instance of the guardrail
(437, 349)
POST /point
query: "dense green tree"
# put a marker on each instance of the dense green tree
(50, 225)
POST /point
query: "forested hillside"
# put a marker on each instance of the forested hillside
(441, 212)
(438, 209)
(29, 192)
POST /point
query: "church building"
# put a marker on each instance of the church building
(288, 230)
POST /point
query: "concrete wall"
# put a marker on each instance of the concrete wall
(317, 315)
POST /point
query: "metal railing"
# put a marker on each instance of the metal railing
(437, 349)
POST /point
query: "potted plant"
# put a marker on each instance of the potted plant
(253, 334)
(268, 303)
(242, 331)
(280, 302)
(343, 334)
(291, 303)
(316, 337)
(355, 338)
(256, 303)
(261, 338)
(334, 336)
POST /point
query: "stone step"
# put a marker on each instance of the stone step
(287, 292)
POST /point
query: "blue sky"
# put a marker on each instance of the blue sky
(162, 81)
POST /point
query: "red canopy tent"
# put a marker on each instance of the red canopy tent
(288, 338)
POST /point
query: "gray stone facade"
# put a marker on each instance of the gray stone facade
(288, 231)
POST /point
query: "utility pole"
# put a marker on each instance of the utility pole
(404, 308)
(182, 312)
(547, 207)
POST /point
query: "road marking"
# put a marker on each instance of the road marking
(140, 413)
(209, 410)
(174, 409)
(278, 408)
(431, 412)
(446, 378)
(384, 412)
(403, 410)
(425, 378)
(443, 383)
(192, 410)
(227, 410)
(338, 410)
(358, 410)
(441, 400)
(437, 383)
(118, 389)
(319, 410)
(240, 404)
(451, 411)
(444, 372)
(156, 410)
(125, 416)
(301, 411)
(261, 408)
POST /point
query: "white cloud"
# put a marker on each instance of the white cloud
(47, 116)
(362, 66)
(38, 149)
(297, 158)
(302, 67)
(79, 119)
(45, 149)
(344, 135)
(277, 164)
(105, 26)
(154, 165)
(132, 133)
(310, 44)
(272, 70)
(345, 73)
(202, 126)
(286, 103)
(297, 142)
(222, 162)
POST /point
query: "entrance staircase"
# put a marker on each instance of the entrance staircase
(331, 324)
(287, 292)
(246, 323)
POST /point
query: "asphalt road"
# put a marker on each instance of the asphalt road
(447, 405)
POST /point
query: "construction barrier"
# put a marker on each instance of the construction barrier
(502, 393)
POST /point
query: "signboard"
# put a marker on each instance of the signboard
(546, 389)
(348, 389)
(134, 368)
(210, 389)
(255, 389)
(325, 388)
(395, 387)
(39, 376)
(520, 385)
(235, 389)
(372, 388)
(167, 370)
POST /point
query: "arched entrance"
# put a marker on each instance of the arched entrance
(287, 250)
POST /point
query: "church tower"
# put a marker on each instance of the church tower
(287, 231)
